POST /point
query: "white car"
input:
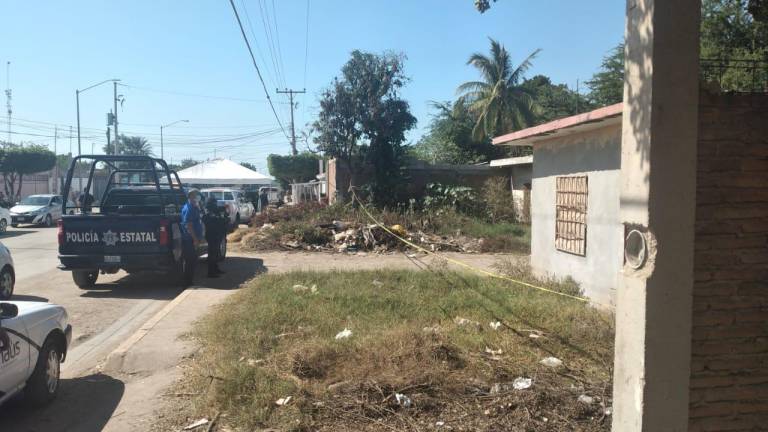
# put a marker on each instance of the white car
(37, 210)
(239, 208)
(5, 219)
(7, 273)
(34, 338)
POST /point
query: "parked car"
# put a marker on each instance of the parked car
(5, 219)
(134, 227)
(7, 273)
(34, 338)
(240, 209)
(37, 210)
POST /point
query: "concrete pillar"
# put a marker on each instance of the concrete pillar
(658, 189)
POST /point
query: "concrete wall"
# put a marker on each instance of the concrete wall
(420, 175)
(596, 154)
(729, 351)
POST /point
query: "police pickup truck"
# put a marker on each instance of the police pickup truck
(128, 216)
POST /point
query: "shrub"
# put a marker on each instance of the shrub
(499, 204)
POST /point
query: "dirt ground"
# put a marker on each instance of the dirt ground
(287, 261)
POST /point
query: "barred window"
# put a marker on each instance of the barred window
(571, 215)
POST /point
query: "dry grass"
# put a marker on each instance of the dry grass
(274, 340)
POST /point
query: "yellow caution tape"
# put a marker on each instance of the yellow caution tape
(461, 263)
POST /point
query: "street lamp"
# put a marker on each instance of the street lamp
(161, 134)
(77, 98)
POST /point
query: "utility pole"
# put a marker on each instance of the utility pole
(117, 137)
(55, 137)
(290, 94)
(8, 96)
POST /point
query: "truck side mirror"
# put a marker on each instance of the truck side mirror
(8, 310)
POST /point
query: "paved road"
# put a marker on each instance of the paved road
(101, 319)
(115, 305)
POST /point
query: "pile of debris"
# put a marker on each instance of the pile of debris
(347, 237)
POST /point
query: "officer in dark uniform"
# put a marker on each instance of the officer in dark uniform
(215, 221)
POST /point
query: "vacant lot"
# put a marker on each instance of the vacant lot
(400, 350)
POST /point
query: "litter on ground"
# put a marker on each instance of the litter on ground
(522, 383)
(284, 401)
(403, 400)
(344, 334)
(551, 362)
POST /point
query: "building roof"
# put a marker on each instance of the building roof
(596, 119)
(222, 171)
(521, 160)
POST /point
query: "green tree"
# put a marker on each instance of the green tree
(362, 110)
(554, 101)
(130, 146)
(185, 163)
(733, 42)
(18, 161)
(499, 102)
(249, 165)
(607, 86)
(449, 138)
(293, 169)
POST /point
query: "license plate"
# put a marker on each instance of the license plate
(111, 258)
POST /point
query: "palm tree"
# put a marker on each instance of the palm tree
(499, 102)
(131, 146)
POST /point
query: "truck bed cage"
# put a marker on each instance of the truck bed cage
(112, 162)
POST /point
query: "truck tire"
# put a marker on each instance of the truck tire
(85, 279)
(43, 386)
(223, 249)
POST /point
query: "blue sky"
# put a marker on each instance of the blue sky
(170, 53)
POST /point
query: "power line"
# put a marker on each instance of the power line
(171, 92)
(256, 66)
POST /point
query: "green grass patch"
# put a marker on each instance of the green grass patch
(424, 334)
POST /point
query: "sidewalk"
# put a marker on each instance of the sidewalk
(147, 362)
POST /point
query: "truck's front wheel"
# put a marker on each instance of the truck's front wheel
(85, 279)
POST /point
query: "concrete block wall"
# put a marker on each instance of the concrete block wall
(729, 364)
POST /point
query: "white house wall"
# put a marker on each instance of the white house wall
(596, 154)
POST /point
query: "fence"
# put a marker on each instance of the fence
(738, 76)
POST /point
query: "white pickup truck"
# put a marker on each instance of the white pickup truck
(239, 208)
(34, 337)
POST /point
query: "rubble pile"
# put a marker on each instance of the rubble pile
(347, 237)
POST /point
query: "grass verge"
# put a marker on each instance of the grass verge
(426, 335)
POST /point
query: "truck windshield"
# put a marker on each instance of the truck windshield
(35, 200)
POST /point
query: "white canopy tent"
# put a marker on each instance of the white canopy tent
(222, 172)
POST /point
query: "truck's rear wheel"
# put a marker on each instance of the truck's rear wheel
(85, 279)
(223, 249)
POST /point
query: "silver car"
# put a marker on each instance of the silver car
(37, 210)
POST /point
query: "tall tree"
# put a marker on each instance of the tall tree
(607, 85)
(734, 41)
(554, 101)
(363, 110)
(499, 101)
(131, 146)
(18, 161)
(449, 138)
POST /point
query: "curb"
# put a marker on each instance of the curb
(114, 360)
